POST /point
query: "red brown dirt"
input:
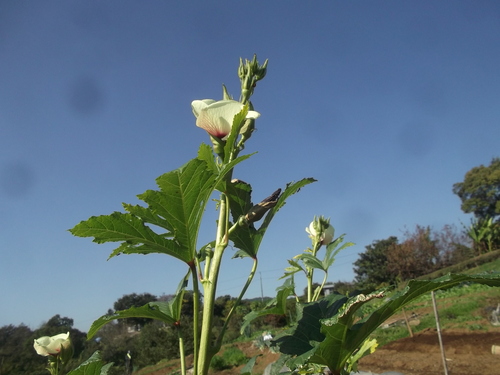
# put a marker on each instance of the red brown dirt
(467, 353)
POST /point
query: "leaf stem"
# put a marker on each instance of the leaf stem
(181, 350)
(317, 292)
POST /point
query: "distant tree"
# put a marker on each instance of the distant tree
(480, 191)
(156, 342)
(17, 356)
(114, 342)
(454, 245)
(222, 305)
(134, 300)
(371, 267)
(417, 255)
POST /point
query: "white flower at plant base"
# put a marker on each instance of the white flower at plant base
(327, 234)
(216, 117)
(47, 345)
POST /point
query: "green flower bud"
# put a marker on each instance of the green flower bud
(261, 71)
(249, 73)
(241, 69)
(225, 94)
(321, 231)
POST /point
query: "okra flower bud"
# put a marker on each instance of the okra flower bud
(321, 231)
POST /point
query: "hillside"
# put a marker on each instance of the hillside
(468, 336)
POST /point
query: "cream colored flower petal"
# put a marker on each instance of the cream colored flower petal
(40, 345)
(51, 345)
(198, 105)
(217, 118)
(61, 336)
(253, 114)
(327, 236)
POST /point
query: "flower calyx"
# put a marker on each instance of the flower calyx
(321, 231)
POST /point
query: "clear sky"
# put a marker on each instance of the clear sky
(386, 103)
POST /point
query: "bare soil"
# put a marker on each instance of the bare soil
(467, 353)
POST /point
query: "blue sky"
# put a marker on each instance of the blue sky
(385, 103)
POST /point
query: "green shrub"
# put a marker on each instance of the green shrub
(232, 356)
(218, 363)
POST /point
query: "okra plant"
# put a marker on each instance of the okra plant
(327, 332)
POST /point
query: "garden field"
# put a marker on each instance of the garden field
(467, 331)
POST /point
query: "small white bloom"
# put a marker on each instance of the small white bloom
(47, 345)
(216, 117)
(326, 237)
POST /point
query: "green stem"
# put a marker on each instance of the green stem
(310, 273)
(210, 287)
(196, 313)
(236, 304)
(181, 350)
(309, 276)
(208, 260)
(318, 291)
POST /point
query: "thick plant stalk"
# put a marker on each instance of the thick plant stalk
(206, 351)
(181, 350)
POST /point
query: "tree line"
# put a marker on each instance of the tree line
(424, 250)
(147, 341)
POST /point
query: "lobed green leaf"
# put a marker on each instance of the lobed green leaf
(168, 312)
(136, 236)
